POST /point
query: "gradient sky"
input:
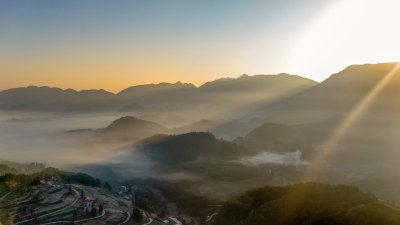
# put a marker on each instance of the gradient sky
(92, 44)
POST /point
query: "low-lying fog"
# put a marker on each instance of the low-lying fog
(290, 158)
(45, 138)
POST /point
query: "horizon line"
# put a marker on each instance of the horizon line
(160, 83)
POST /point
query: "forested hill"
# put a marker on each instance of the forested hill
(308, 203)
(12, 181)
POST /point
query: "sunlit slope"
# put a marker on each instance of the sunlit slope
(308, 203)
(339, 94)
(335, 97)
(352, 118)
(236, 97)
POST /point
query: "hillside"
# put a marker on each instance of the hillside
(221, 167)
(308, 203)
(131, 128)
(4, 169)
(236, 97)
(341, 101)
(257, 84)
(15, 181)
(157, 93)
(339, 94)
(25, 168)
(184, 148)
(276, 138)
(334, 97)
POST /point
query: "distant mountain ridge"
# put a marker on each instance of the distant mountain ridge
(130, 128)
(333, 97)
(340, 93)
(51, 98)
(148, 96)
(150, 89)
(252, 83)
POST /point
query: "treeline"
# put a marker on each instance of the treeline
(26, 168)
(13, 181)
(4, 169)
(308, 203)
(183, 148)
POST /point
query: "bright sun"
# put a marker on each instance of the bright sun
(350, 32)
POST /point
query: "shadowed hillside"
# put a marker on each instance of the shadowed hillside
(54, 99)
(132, 128)
(188, 147)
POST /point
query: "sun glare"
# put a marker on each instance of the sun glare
(349, 32)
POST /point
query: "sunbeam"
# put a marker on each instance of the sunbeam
(320, 158)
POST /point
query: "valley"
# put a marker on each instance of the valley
(190, 151)
(199, 112)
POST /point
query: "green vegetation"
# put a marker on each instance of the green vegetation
(21, 193)
(308, 203)
(7, 166)
(4, 169)
(154, 196)
(107, 186)
(13, 182)
(137, 215)
(188, 147)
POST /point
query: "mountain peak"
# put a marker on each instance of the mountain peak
(130, 124)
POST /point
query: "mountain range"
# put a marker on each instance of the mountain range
(179, 102)
(247, 117)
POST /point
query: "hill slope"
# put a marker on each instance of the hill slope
(276, 138)
(308, 203)
(339, 94)
(184, 148)
(132, 128)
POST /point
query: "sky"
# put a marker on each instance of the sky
(96, 44)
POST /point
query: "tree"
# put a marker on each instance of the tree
(137, 215)
(74, 216)
(69, 186)
(35, 181)
(36, 198)
(107, 186)
(93, 213)
(5, 218)
(100, 208)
